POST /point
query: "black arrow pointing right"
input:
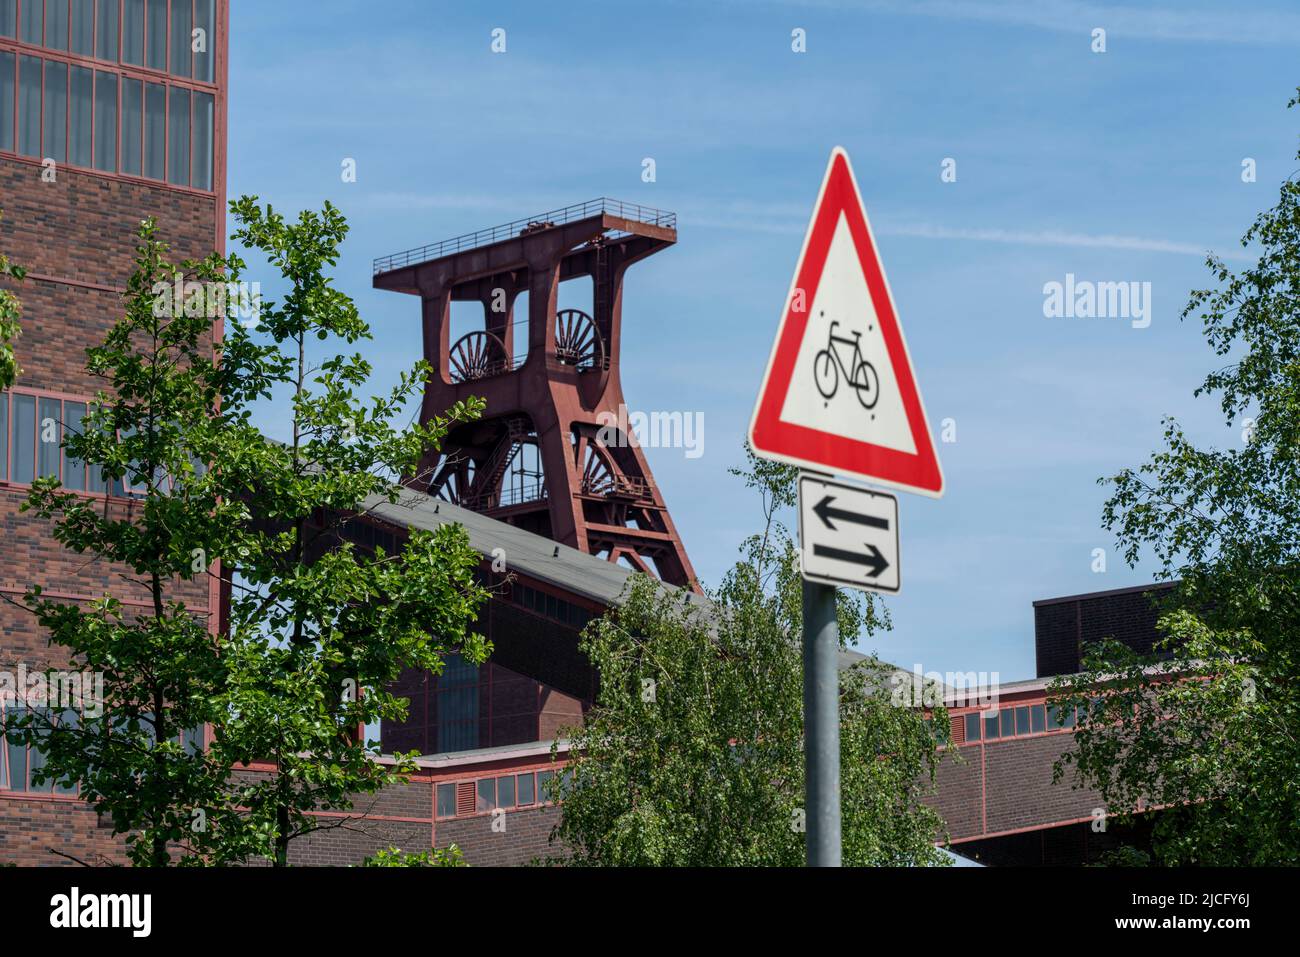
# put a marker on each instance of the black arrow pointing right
(875, 561)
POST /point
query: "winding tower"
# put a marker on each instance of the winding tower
(551, 454)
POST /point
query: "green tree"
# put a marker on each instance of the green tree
(317, 628)
(1209, 728)
(10, 313)
(162, 674)
(692, 754)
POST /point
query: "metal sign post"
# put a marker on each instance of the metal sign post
(821, 709)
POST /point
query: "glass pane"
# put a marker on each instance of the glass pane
(29, 106)
(192, 740)
(446, 800)
(95, 481)
(178, 142)
(8, 17)
(16, 755)
(133, 32)
(156, 37)
(83, 27)
(1008, 722)
(6, 101)
(132, 124)
(56, 24)
(1022, 720)
(179, 56)
(204, 20)
(56, 111)
(486, 794)
(106, 35)
(74, 470)
(80, 116)
(106, 121)
(506, 791)
(22, 450)
(972, 727)
(71, 719)
(1039, 724)
(4, 436)
(544, 785)
(35, 756)
(990, 728)
(526, 792)
(202, 162)
(49, 437)
(32, 20)
(155, 130)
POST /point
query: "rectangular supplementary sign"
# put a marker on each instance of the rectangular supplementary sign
(848, 535)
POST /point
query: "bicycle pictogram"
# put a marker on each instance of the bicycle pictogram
(828, 366)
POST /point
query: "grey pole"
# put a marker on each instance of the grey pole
(821, 709)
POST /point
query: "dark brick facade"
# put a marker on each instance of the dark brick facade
(1062, 626)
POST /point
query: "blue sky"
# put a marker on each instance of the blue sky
(1119, 166)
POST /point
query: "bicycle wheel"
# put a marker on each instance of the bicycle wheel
(867, 384)
(827, 376)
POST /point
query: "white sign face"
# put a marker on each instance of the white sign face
(848, 535)
(843, 378)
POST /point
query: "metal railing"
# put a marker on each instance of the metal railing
(556, 217)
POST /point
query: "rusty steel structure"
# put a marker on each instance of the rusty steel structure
(548, 454)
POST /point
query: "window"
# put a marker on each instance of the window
(544, 786)
(487, 795)
(106, 46)
(457, 705)
(178, 137)
(32, 429)
(56, 111)
(83, 27)
(446, 800)
(7, 86)
(132, 125)
(525, 791)
(156, 36)
(1039, 725)
(155, 130)
(22, 447)
(990, 727)
(8, 17)
(1022, 720)
(106, 122)
(79, 116)
(56, 24)
(29, 106)
(973, 726)
(506, 791)
(32, 21)
(1008, 722)
(204, 117)
(133, 32)
(15, 778)
(180, 43)
(204, 20)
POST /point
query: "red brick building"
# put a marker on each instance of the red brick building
(110, 111)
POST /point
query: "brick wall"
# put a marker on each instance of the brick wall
(1062, 626)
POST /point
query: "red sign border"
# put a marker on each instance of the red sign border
(813, 448)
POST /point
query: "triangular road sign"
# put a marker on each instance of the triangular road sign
(839, 394)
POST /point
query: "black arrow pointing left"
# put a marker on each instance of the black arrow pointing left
(826, 512)
(874, 560)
